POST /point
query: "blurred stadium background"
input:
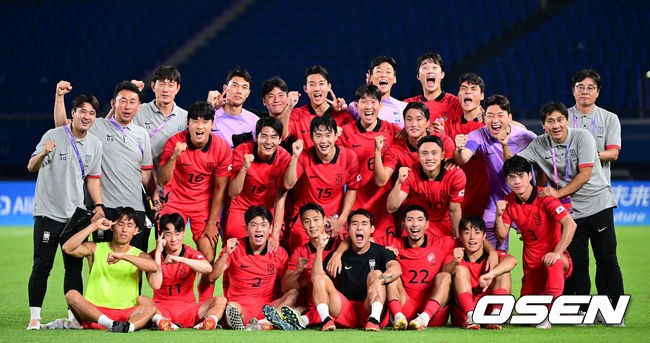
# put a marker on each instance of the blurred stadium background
(525, 49)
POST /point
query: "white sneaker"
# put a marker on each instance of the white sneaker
(582, 313)
(544, 325)
(55, 325)
(72, 324)
(601, 320)
(34, 324)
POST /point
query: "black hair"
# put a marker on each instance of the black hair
(125, 85)
(363, 212)
(429, 56)
(551, 107)
(273, 82)
(310, 206)
(200, 109)
(171, 218)
(127, 212)
(474, 221)
(498, 100)
(257, 211)
(271, 122)
(412, 208)
(317, 70)
(431, 139)
(586, 73)
(370, 91)
(382, 59)
(418, 106)
(472, 79)
(322, 121)
(243, 73)
(167, 73)
(516, 165)
(79, 101)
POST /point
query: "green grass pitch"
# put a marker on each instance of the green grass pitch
(16, 261)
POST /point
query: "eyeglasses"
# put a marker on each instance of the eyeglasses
(590, 88)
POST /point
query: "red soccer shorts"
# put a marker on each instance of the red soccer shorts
(121, 315)
(197, 214)
(534, 281)
(179, 312)
(355, 315)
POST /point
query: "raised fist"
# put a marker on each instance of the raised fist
(248, 160)
(403, 174)
(49, 147)
(138, 84)
(379, 143)
(501, 207)
(178, 149)
(461, 141)
(297, 148)
(63, 88)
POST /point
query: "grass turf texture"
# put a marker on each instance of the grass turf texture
(16, 261)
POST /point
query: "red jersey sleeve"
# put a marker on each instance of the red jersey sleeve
(303, 162)
(449, 146)
(168, 150)
(223, 155)
(555, 208)
(237, 161)
(293, 118)
(354, 177)
(506, 218)
(193, 254)
(281, 259)
(448, 259)
(390, 158)
(457, 186)
(408, 183)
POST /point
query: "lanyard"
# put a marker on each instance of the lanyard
(161, 125)
(74, 145)
(566, 174)
(593, 121)
(119, 127)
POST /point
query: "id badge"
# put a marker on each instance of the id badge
(566, 202)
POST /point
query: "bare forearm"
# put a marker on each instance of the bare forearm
(500, 229)
(290, 280)
(237, 184)
(219, 267)
(146, 265)
(610, 155)
(278, 215)
(36, 162)
(59, 111)
(72, 245)
(455, 213)
(379, 172)
(166, 171)
(568, 230)
(291, 175)
(506, 264)
(583, 176)
(199, 266)
(348, 202)
(461, 156)
(394, 200)
(507, 154)
(94, 189)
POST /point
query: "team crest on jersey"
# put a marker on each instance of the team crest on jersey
(431, 258)
(372, 264)
(537, 219)
(339, 178)
(358, 177)
(573, 153)
(560, 209)
(211, 165)
(270, 269)
(182, 273)
(600, 131)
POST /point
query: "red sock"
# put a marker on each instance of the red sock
(555, 279)
(313, 316)
(432, 307)
(499, 291)
(466, 301)
(394, 306)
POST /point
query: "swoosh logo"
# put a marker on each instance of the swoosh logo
(356, 145)
(185, 164)
(312, 176)
(348, 267)
(243, 266)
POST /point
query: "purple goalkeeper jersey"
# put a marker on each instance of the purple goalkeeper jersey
(225, 125)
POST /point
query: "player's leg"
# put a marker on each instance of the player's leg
(273, 314)
(500, 286)
(396, 298)
(84, 311)
(163, 317)
(205, 288)
(144, 311)
(439, 298)
(212, 310)
(327, 300)
(609, 280)
(463, 290)
(375, 299)
(46, 233)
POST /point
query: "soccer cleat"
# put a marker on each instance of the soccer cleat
(418, 323)
(469, 323)
(120, 327)
(207, 324)
(293, 317)
(328, 324)
(72, 324)
(544, 325)
(275, 317)
(34, 324)
(233, 318)
(492, 326)
(372, 325)
(400, 322)
(166, 325)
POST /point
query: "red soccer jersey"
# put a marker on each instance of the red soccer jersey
(308, 251)
(402, 154)
(324, 183)
(421, 264)
(435, 195)
(539, 222)
(192, 181)
(249, 275)
(300, 119)
(178, 278)
(445, 106)
(476, 268)
(261, 179)
(478, 182)
(370, 196)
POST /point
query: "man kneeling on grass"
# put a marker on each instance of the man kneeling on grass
(112, 300)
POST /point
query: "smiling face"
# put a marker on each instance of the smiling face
(199, 130)
(323, 141)
(430, 154)
(123, 230)
(555, 126)
(267, 142)
(127, 104)
(317, 89)
(313, 223)
(174, 238)
(430, 75)
(258, 230)
(165, 90)
(368, 109)
(470, 96)
(275, 101)
(383, 76)
(415, 123)
(237, 91)
(586, 92)
(415, 224)
(83, 117)
(360, 231)
(497, 119)
(472, 238)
